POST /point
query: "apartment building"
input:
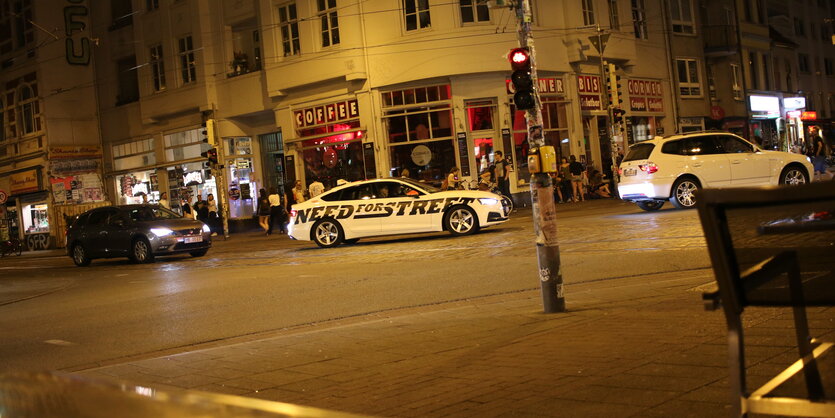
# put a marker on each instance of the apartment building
(50, 154)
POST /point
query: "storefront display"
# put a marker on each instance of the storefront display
(138, 187)
(35, 219)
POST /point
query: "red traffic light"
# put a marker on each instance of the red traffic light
(519, 58)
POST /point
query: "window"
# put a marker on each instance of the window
(732, 145)
(133, 154)
(737, 82)
(753, 79)
(128, 81)
(330, 22)
(289, 22)
(157, 67)
(474, 11)
(681, 14)
(803, 63)
(151, 5)
(827, 66)
(417, 14)
(766, 72)
(16, 29)
(588, 12)
(799, 27)
(789, 84)
(29, 113)
(188, 68)
(614, 18)
(639, 19)
(555, 130)
(688, 77)
(121, 14)
(746, 6)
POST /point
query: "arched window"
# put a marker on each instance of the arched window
(28, 110)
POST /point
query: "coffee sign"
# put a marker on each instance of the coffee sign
(329, 113)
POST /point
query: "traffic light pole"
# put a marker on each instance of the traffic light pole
(542, 192)
(613, 143)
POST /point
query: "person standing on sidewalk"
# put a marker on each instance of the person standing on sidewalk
(298, 193)
(500, 174)
(576, 169)
(819, 158)
(264, 211)
(316, 188)
(276, 210)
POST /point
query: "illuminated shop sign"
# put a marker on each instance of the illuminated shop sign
(645, 96)
(547, 85)
(589, 88)
(793, 114)
(810, 115)
(764, 107)
(794, 103)
(328, 113)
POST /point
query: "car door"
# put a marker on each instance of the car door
(119, 229)
(95, 235)
(749, 166)
(706, 161)
(364, 218)
(408, 208)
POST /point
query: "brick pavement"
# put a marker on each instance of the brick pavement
(631, 346)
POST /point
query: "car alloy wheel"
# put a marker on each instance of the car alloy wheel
(684, 193)
(793, 176)
(327, 233)
(79, 256)
(461, 220)
(141, 251)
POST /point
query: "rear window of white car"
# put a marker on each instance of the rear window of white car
(639, 152)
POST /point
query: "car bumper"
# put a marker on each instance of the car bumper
(644, 191)
(179, 244)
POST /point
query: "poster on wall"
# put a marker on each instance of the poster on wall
(84, 188)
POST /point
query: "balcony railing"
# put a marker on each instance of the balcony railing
(720, 39)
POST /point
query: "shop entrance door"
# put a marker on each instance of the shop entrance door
(272, 150)
(481, 128)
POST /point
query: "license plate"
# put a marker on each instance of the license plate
(189, 240)
(630, 172)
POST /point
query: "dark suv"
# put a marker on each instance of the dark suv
(138, 232)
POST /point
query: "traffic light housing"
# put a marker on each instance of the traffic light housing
(524, 96)
(613, 86)
(208, 131)
(210, 156)
(619, 117)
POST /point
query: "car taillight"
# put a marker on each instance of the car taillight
(649, 168)
(293, 213)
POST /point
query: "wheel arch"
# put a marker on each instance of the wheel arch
(684, 176)
(796, 164)
(450, 208)
(326, 218)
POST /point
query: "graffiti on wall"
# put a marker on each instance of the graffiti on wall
(37, 242)
(77, 48)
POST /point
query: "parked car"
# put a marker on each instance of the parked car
(139, 232)
(393, 206)
(674, 167)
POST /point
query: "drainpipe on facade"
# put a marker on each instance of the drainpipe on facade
(738, 33)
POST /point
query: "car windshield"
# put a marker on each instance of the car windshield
(151, 213)
(421, 186)
(639, 152)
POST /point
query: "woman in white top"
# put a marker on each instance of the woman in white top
(163, 200)
(210, 199)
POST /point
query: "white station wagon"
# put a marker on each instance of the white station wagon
(674, 167)
(392, 206)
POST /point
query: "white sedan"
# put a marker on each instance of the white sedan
(392, 206)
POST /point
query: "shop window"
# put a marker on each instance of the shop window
(555, 132)
(480, 115)
(689, 83)
(35, 219)
(329, 22)
(416, 13)
(138, 187)
(419, 126)
(289, 25)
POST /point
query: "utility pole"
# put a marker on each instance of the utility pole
(609, 106)
(542, 192)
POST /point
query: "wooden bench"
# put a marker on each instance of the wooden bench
(775, 247)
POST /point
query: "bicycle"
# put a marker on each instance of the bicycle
(11, 246)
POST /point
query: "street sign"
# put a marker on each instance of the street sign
(3, 196)
(599, 42)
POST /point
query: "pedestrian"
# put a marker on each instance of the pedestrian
(316, 188)
(819, 155)
(163, 200)
(263, 211)
(212, 205)
(404, 173)
(555, 180)
(565, 179)
(452, 180)
(186, 208)
(276, 210)
(500, 170)
(576, 170)
(599, 187)
(203, 211)
(298, 192)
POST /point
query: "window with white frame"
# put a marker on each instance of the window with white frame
(288, 20)
(588, 12)
(329, 22)
(614, 17)
(157, 64)
(681, 16)
(416, 13)
(29, 113)
(474, 11)
(16, 29)
(639, 19)
(736, 82)
(188, 68)
(689, 84)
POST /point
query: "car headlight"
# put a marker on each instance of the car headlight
(161, 232)
(206, 228)
(488, 201)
